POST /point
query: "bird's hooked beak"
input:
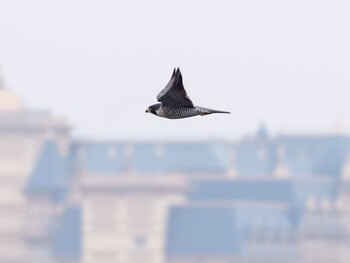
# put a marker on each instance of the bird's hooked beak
(148, 110)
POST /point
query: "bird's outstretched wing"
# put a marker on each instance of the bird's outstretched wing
(174, 93)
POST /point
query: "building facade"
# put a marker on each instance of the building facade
(258, 200)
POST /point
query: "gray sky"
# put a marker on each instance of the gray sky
(102, 63)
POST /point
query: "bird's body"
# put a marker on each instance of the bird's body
(175, 104)
(183, 112)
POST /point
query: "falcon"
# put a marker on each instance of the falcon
(174, 102)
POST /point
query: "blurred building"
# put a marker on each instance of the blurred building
(261, 199)
(258, 200)
(22, 133)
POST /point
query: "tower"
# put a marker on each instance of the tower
(22, 132)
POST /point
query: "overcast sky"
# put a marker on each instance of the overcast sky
(100, 64)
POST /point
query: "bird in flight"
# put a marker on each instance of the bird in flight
(174, 102)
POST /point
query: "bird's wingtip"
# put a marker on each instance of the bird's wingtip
(178, 72)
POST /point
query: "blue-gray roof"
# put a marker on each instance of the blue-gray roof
(149, 158)
(95, 158)
(244, 190)
(254, 158)
(51, 173)
(302, 155)
(318, 189)
(291, 190)
(196, 158)
(145, 159)
(314, 155)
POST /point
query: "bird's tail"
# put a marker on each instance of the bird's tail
(206, 111)
(219, 111)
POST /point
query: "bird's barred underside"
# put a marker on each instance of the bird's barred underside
(184, 112)
(177, 112)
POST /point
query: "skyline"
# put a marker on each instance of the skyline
(89, 62)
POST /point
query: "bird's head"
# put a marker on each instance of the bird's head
(153, 108)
